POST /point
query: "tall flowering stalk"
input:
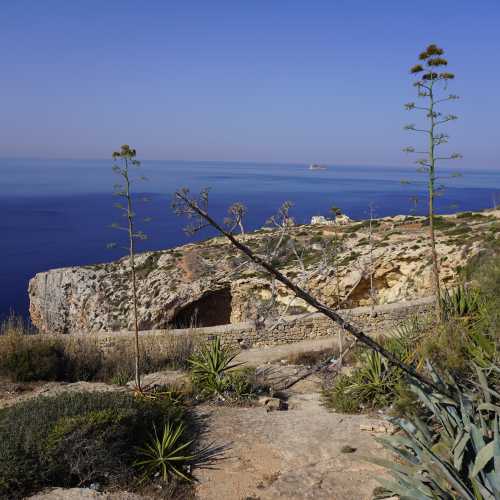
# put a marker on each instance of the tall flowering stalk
(431, 84)
(123, 160)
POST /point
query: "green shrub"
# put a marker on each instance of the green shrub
(338, 398)
(244, 384)
(440, 222)
(459, 230)
(76, 438)
(215, 375)
(374, 382)
(317, 238)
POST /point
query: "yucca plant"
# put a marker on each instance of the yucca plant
(454, 454)
(372, 384)
(376, 381)
(210, 366)
(405, 339)
(167, 454)
(462, 302)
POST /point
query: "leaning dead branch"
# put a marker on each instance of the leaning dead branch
(191, 207)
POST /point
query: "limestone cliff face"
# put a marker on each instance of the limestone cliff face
(204, 284)
(97, 298)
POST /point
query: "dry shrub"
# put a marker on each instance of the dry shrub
(26, 357)
(310, 358)
(157, 354)
(180, 348)
(83, 359)
(16, 325)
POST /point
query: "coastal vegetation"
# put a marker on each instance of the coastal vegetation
(29, 357)
(425, 367)
(84, 438)
(464, 340)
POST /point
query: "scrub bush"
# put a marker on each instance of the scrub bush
(74, 439)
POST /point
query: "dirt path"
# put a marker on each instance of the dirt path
(261, 355)
(291, 454)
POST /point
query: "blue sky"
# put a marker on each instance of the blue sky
(274, 80)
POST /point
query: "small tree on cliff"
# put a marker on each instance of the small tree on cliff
(123, 160)
(431, 84)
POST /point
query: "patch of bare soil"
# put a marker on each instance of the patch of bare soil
(256, 356)
(299, 453)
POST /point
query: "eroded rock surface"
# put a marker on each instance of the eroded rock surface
(292, 454)
(204, 284)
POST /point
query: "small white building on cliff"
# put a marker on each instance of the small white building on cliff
(340, 220)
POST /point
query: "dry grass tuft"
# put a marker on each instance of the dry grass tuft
(27, 356)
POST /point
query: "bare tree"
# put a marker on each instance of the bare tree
(236, 213)
(430, 85)
(196, 209)
(123, 160)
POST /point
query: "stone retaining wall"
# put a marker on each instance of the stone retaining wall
(292, 329)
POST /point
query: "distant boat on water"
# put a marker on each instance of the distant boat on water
(317, 166)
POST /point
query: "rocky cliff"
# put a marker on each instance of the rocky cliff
(205, 283)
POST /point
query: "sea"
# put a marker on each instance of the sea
(58, 213)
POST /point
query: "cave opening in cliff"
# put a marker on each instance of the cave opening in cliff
(211, 309)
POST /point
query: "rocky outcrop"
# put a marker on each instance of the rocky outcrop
(97, 298)
(205, 284)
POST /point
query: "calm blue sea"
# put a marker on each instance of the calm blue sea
(57, 213)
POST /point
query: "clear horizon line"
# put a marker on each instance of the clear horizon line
(390, 165)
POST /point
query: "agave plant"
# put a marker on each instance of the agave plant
(372, 384)
(165, 454)
(210, 367)
(482, 346)
(462, 302)
(452, 455)
(376, 380)
(405, 339)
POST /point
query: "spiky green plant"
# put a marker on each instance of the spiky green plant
(482, 347)
(454, 454)
(370, 385)
(461, 302)
(210, 367)
(406, 338)
(167, 454)
(376, 382)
